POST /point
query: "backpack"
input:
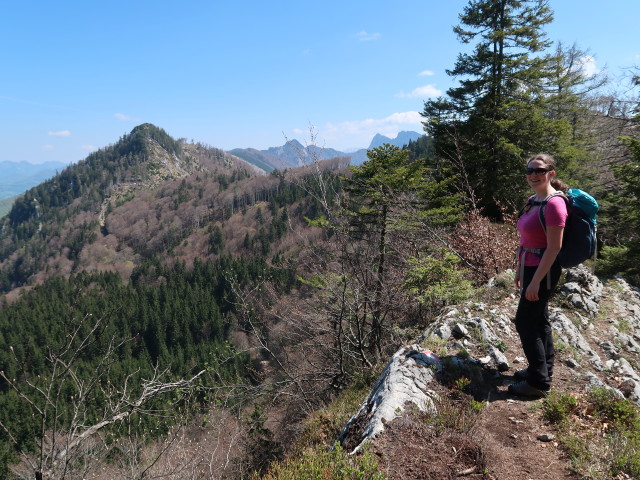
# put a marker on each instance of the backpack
(579, 241)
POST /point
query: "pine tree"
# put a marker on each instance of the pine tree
(498, 114)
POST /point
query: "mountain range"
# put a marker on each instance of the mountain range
(294, 154)
(18, 177)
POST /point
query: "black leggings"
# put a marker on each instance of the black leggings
(534, 328)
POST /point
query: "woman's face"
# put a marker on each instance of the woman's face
(539, 174)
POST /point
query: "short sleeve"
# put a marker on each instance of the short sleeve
(555, 213)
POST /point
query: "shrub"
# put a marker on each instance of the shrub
(606, 404)
(557, 407)
(319, 464)
(438, 282)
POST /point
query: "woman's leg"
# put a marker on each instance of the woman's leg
(534, 328)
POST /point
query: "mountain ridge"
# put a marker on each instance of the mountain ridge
(58, 218)
(294, 154)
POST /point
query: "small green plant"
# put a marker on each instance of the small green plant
(436, 344)
(500, 345)
(559, 345)
(477, 406)
(461, 383)
(455, 414)
(610, 447)
(558, 407)
(326, 423)
(463, 354)
(505, 280)
(578, 450)
(438, 281)
(624, 325)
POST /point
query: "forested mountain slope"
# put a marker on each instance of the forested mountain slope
(146, 195)
(126, 269)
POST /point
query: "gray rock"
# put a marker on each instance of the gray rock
(460, 331)
(609, 349)
(583, 289)
(572, 363)
(571, 336)
(502, 364)
(443, 332)
(405, 380)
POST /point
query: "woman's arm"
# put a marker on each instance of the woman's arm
(554, 242)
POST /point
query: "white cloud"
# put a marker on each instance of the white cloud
(88, 147)
(48, 148)
(365, 36)
(61, 133)
(126, 118)
(358, 133)
(587, 65)
(427, 91)
(426, 73)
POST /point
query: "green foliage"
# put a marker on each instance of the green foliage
(507, 104)
(625, 218)
(614, 260)
(263, 449)
(455, 414)
(558, 407)
(608, 405)
(624, 437)
(323, 426)
(437, 281)
(603, 444)
(319, 464)
(168, 316)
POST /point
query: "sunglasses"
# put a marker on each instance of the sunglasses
(537, 171)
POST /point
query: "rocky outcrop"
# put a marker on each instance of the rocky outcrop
(404, 382)
(582, 289)
(597, 332)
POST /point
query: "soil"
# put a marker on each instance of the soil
(505, 442)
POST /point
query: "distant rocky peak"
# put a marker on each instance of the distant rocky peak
(402, 139)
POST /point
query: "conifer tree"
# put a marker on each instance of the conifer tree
(498, 113)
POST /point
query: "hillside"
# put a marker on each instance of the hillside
(210, 318)
(473, 351)
(128, 267)
(144, 196)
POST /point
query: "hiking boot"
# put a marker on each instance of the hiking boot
(521, 374)
(523, 389)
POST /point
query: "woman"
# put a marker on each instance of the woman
(538, 273)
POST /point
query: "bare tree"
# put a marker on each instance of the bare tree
(69, 437)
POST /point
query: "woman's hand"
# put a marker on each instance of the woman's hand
(532, 291)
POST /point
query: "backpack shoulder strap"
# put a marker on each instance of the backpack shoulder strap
(543, 204)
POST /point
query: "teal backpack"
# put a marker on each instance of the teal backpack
(579, 242)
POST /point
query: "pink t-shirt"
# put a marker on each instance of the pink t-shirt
(532, 235)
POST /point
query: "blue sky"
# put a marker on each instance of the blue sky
(77, 75)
